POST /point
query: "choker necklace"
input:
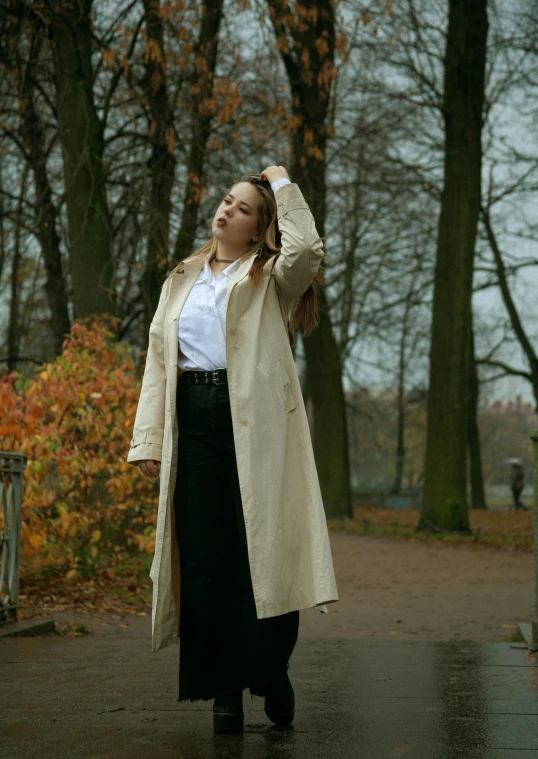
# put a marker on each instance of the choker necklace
(224, 260)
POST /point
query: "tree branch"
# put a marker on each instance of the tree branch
(515, 320)
(507, 370)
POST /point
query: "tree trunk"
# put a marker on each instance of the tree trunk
(330, 439)
(161, 163)
(445, 500)
(478, 496)
(46, 215)
(3, 236)
(309, 63)
(13, 327)
(205, 56)
(400, 427)
(81, 137)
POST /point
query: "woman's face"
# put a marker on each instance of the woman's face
(236, 219)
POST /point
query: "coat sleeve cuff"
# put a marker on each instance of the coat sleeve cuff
(278, 183)
(144, 451)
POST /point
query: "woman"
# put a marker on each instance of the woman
(241, 540)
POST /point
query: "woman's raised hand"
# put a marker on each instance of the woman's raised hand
(271, 173)
(149, 467)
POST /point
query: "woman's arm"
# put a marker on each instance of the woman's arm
(147, 440)
(302, 248)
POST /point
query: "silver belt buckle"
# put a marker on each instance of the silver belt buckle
(215, 377)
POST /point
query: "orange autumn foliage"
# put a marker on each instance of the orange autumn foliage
(74, 421)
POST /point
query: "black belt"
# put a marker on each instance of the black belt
(213, 377)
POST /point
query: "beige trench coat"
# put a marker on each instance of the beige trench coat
(288, 543)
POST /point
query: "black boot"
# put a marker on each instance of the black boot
(281, 708)
(228, 712)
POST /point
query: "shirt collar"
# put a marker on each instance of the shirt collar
(228, 272)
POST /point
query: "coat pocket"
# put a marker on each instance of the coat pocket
(282, 377)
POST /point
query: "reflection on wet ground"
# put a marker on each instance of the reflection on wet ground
(365, 698)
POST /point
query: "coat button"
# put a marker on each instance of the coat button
(244, 421)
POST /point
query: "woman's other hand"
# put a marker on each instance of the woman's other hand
(149, 467)
(272, 173)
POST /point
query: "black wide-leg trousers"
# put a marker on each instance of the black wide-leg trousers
(223, 646)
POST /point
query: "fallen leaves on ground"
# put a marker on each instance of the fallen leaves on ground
(122, 589)
(502, 530)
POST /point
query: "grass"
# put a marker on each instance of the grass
(501, 530)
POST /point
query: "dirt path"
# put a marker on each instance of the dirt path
(414, 591)
(387, 588)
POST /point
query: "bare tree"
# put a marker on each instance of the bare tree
(306, 41)
(19, 56)
(161, 163)
(80, 131)
(445, 496)
(202, 115)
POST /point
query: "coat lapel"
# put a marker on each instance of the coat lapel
(181, 286)
(240, 274)
(182, 283)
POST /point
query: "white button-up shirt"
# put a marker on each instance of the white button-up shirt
(202, 322)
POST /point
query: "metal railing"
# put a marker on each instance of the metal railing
(12, 466)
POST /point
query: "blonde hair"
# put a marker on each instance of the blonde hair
(304, 311)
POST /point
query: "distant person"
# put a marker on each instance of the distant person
(517, 483)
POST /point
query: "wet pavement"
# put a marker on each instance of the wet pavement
(93, 697)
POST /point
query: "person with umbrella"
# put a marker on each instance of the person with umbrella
(517, 482)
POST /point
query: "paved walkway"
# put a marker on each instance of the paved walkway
(109, 697)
